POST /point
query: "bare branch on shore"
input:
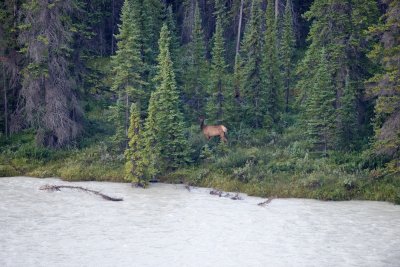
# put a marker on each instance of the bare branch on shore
(58, 187)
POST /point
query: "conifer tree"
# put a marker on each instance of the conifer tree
(196, 67)
(175, 46)
(347, 118)
(165, 144)
(319, 107)
(385, 85)
(272, 77)
(253, 105)
(216, 109)
(48, 88)
(340, 28)
(134, 166)
(287, 52)
(127, 64)
(221, 12)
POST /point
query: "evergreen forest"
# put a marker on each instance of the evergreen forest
(112, 90)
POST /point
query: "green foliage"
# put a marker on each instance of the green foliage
(195, 78)
(253, 105)
(165, 144)
(287, 50)
(218, 89)
(273, 99)
(319, 107)
(385, 85)
(134, 165)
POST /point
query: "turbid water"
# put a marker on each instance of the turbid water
(166, 225)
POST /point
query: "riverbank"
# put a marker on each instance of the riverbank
(264, 171)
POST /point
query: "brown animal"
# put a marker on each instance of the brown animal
(213, 130)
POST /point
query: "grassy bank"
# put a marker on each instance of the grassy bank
(261, 166)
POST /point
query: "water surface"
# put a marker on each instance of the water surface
(166, 225)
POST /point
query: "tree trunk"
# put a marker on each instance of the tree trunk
(276, 9)
(239, 29)
(5, 103)
(112, 27)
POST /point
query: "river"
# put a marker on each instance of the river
(166, 225)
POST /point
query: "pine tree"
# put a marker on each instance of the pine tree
(221, 12)
(319, 107)
(272, 77)
(165, 144)
(253, 105)
(196, 67)
(339, 27)
(48, 88)
(347, 118)
(216, 109)
(385, 85)
(134, 166)
(287, 52)
(127, 65)
(175, 46)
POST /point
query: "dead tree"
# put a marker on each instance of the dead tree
(58, 187)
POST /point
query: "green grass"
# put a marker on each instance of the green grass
(259, 168)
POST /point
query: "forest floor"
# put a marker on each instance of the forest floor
(268, 169)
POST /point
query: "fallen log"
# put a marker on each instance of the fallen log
(58, 187)
(266, 202)
(221, 194)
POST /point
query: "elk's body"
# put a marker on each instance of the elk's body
(213, 130)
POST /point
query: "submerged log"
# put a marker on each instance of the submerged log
(221, 194)
(266, 202)
(58, 187)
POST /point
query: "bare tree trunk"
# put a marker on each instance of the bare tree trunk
(239, 29)
(112, 27)
(5, 103)
(276, 9)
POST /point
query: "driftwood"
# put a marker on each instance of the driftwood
(266, 202)
(222, 194)
(58, 187)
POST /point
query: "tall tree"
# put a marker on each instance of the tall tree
(287, 49)
(339, 26)
(134, 166)
(319, 107)
(196, 66)
(385, 85)
(164, 137)
(216, 110)
(272, 77)
(127, 64)
(48, 90)
(252, 95)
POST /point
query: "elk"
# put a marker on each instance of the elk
(213, 130)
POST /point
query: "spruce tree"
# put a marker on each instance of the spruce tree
(272, 77)
(165, 144)
(127, 64)
(287, 53)
(216, 109)
(196, 68)
(384, 86)
(319, 107)
(253, 105)
(134, 166)
(48, 89)
(340, 28)
(175, 46)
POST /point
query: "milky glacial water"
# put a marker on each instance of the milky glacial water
(166, 225)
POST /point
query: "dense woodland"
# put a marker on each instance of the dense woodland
(109, 89)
